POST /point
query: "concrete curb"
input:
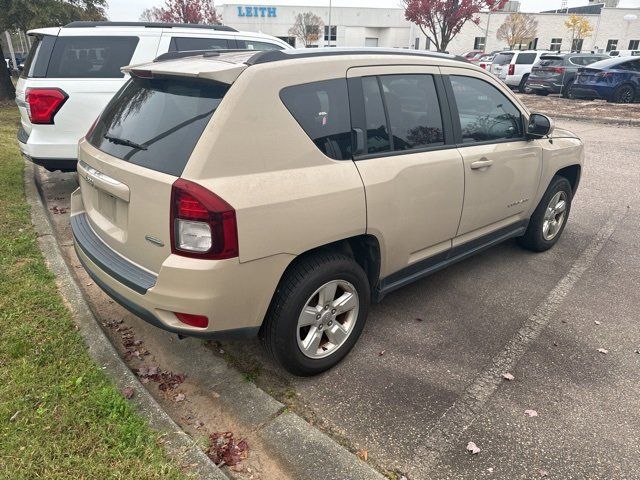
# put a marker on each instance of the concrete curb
(179, 445)
(602, 120)
(302, 449)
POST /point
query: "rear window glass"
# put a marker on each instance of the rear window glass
(551, 61)
(184, 44)
(251, 45)
(322, 110)
(156, 123)
(38, 59)
(526, 58)
(503, 58)
(90, 57)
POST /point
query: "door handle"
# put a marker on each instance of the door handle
(481, 164)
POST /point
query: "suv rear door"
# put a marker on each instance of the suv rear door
(412, 173)
(129, 162)
(85, 64)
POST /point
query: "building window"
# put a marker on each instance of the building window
(576, 45)
(416, 44)
(427, 44)
(334, 33)
(634, 44)
(533, 44)
(370, 42)
(479, 43)
(612, 45)
(556, 44)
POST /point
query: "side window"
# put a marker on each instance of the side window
(322, 110)
(375, 118)
(184, 44)
(251, 45)
(485, 113)
(413, 111)
(526, 58)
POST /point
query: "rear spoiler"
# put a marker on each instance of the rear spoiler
(196, 53)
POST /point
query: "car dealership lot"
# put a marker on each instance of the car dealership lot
(417, 386)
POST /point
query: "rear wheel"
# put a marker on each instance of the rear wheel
(317, 313)
(566, 90)
(522, 88)
(624, 94)
(549, 218)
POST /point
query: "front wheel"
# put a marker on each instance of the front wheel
(549, 218)
(317, 313)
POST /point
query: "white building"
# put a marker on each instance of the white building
(613, 28)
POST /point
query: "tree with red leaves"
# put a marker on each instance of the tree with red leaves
(183, 11)
(441, 20)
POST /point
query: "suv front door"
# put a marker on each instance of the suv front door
(502, 168)
(412, 173)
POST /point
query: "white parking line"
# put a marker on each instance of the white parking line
(452, 424)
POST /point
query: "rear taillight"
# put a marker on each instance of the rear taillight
(558, 69)
(512, 69)
(604, 74)
(483, 66)
(202, 224)
(199, 321)
(44, 103)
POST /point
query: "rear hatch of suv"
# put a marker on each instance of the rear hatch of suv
(547, 68)
(134, 154)
(500, 63)
(68, 78)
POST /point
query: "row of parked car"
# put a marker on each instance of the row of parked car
(572, 75)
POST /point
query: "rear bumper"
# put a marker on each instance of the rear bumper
(591, 92)
(31, 152)
(541, 85)
(233, 296)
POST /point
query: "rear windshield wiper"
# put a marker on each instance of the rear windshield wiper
(124, 141)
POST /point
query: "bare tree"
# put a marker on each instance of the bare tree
(518, 29)
(307, 28)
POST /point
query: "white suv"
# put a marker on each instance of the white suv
(513, 67)
(73, 71)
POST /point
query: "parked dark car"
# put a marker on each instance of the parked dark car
(615, 80)
(556, 73)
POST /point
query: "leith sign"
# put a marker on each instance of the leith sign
(257, 11)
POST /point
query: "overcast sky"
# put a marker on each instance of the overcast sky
(131, 9)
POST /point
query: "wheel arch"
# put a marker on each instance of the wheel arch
(572, 173)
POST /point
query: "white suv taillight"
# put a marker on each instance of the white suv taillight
(202, 224)
(44, 103)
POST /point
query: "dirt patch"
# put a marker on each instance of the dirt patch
(554, 105)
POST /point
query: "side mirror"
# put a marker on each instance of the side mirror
(539, 126)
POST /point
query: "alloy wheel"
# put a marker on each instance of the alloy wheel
(554, 216)
(327, 319)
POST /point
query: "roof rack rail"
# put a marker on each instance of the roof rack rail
(82, 24)
(195, 53)
(267, 56)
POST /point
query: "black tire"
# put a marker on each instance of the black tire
(566, 90)
(279, 332)
(624, 94)
(522, 88)
(542, 93)
(533, 239)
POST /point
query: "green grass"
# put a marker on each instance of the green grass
(71, 421)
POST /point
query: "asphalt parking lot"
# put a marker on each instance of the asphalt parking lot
(420, 383)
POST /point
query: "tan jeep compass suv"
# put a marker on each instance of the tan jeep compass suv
(278, 193)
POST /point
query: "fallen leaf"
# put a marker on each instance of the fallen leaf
(604, 351)
(363, 454)
(180, 397)
(381, 353)
(531, 413)
(490, 469)
(544, 473)
(508, 376)
(215, 394)
(224, 450)
(597, 322)
(14, 416)
(473, 448)
(127, 392)
(199, 424)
